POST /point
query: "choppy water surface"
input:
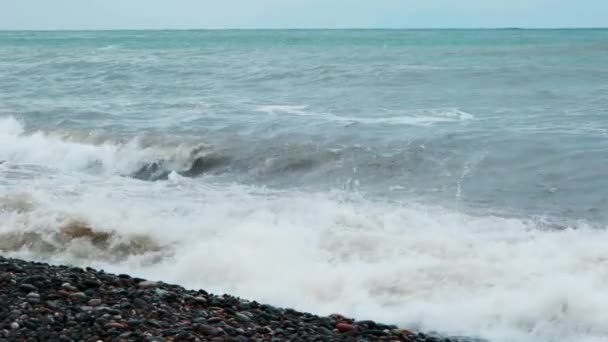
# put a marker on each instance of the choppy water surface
(445, 180)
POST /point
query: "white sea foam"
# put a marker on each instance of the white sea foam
(413, 117)
(78, 152)
(418, 266)
(284, 109)
(422, 118)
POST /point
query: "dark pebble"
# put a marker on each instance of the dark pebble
(134, 322)
(154, 323)
(27, 287)
(214, 320)
(91, 283)
(142, 304)
(95, 302)
(78, 296)
(69, 287)
(207, 330)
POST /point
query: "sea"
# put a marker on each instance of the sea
(451, 181)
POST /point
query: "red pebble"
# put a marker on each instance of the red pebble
(344, 327)
(114, 325)
(406, 332)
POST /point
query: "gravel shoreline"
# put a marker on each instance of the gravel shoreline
(40, 302)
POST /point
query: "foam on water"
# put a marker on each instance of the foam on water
(414, 265)
(82, 152)
(422, 117)
(278, 109)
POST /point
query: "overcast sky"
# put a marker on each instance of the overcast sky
(166, 14)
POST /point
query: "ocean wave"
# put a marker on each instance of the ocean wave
(142, 157)
(423, 117)
(410, 264)
(154, 157)
(84, 243)
(28, 227)
(161, 169)
(287, 109)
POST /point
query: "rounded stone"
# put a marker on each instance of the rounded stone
(148, 284)
(69, 287)
(208, 330)
(214, 320)
(114, 325)
(200, 300)
(324, 331)
(78, 296)
(241, 317)
(33, 297)
(344, 327)
(95, 302)
(28, 288)
(91, 283)
(134, 322)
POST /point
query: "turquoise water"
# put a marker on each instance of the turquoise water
(507, 119)
(486, 151)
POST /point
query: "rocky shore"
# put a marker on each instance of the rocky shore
(39, 302)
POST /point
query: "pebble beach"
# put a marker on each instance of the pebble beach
(41, 302)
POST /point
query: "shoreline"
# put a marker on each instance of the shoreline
(42, 302)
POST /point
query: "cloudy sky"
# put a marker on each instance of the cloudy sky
(165, 14)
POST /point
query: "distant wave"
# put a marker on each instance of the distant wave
(109, 47)
(426, 117)
(417, 117)
(277, 109)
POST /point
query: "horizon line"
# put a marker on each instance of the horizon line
(305, 29)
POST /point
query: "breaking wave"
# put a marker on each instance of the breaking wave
(154, 158)
(141, 157)
(417, 266)
(30, 228)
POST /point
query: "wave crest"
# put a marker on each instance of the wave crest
(145, 158)
(76, 237)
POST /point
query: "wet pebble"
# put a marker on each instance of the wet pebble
(95, 302)
(344, 327)
(78, 296)
(69, 287)
(33, 297)
(114, 325)
(28, 287)
(148, 284)
(200, 300)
